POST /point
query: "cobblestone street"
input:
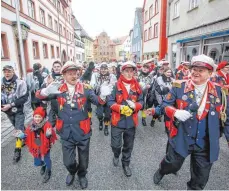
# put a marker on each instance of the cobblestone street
(149, 149)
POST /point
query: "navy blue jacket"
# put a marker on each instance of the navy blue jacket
(72, 118)
(201, 130)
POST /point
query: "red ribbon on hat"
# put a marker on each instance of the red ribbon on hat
(203, 64)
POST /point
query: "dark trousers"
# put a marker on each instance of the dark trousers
(38, 161)
(103, 112)
(17, 120)
(128, 135)
(200, 166)
(69, 155)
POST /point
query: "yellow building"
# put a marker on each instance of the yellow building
(104, 48)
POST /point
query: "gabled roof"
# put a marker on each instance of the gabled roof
(83, 33)
(120, 40)
(130, 32)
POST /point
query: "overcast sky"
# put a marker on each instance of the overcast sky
(116, 17)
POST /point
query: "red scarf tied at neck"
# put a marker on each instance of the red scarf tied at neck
(134, 85)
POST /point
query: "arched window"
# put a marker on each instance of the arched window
(156, 7)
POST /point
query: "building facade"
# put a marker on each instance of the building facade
(199, 27)
(88, 46)
(154, 29)
(122, 48)
(49, 32)
(80, 51)
(136, 41)
(79, 44)
(104, 48)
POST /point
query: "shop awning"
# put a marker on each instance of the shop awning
(216, 34)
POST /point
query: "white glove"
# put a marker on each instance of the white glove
(19, 134)
(51, 89)
(105, 90)
(131, 104)
(48, 132)
(142, 84)
(182, 115)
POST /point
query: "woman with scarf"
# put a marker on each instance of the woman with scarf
(103, 112)
(125, 102)
(39, 137)
(14, 94)
(144, 79)
(163, 85)
(151, 99)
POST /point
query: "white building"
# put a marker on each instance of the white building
(126, 47)
(196, 27)
(122, 48)
(50, 32)
(151, 29)
(79, 43)
(80, 51)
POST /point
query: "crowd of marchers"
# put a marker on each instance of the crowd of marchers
(192, 101)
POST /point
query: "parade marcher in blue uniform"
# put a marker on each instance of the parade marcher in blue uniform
(183, 72)
(103, 111)
(73, 123)
(222, 74)
(193, 111)
(125, 102)
(13, 96)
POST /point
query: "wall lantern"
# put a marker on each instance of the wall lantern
(24, 29)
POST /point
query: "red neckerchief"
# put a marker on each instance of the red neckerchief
(134, 85)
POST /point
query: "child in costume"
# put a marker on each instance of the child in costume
(39, 137)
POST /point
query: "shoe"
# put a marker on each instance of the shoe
(69, 180)
(152, 123)
(47, 176)
(17, 155)
(83, 182)
(144, 122)
(159, 119)
(157, 177)
(106, 132)
(100, 125)
(115, 161)
(43, 169)
(127, 170)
